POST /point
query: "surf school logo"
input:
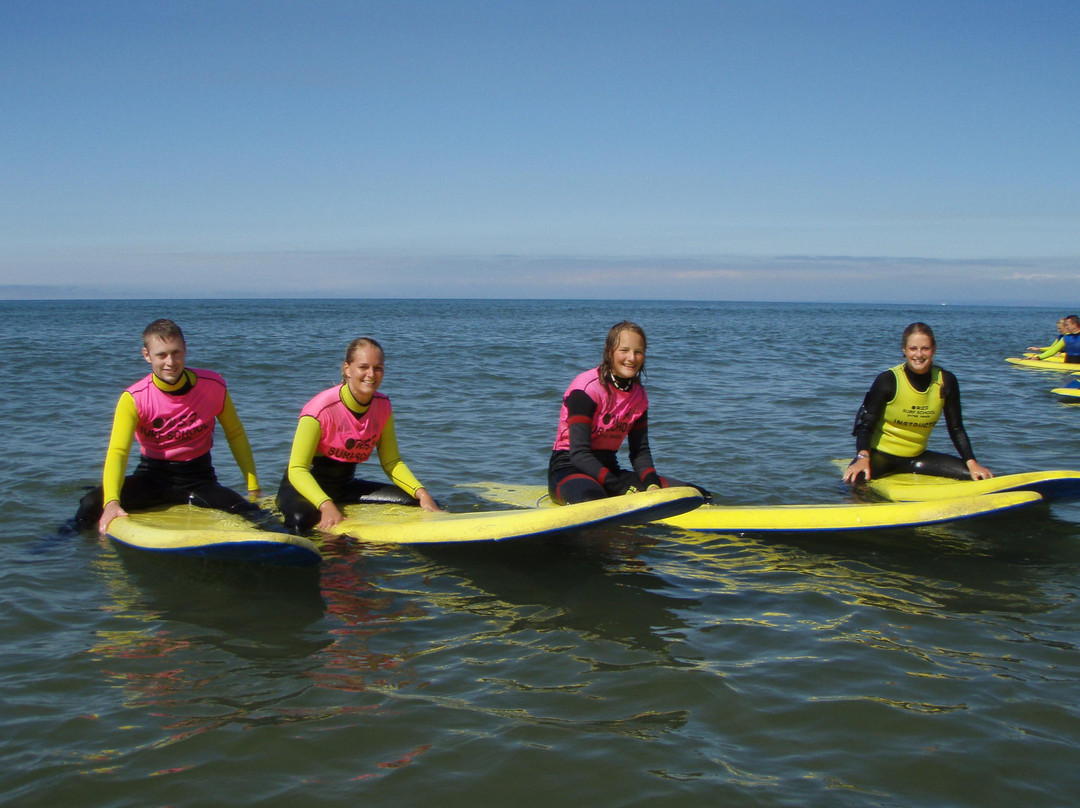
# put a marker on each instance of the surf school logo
(611, 427)
(355, 450)
(178, 429)
(919, 416)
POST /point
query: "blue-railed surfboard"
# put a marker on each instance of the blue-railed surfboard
(397, 524)
(186, 530)
(1051, 485)
(793, 518)
(1067, 392)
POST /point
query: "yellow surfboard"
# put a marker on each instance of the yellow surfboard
(186, 530)
(1071, 393)
(1044, 364)
(847, 516)
(1051, 485)
(398, 524)
(794, 518)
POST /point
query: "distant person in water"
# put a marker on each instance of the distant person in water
(339, 429)
(1061, 331)
(1069, 342)
(899, 411)
(603, 407)
(171, 413)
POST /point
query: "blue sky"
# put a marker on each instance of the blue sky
(838, 151)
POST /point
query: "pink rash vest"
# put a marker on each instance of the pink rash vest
(616, 412)
(178, 426)
(346, 437)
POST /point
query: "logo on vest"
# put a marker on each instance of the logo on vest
(353, 451)
(183, 427)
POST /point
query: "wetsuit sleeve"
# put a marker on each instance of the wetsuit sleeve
(1057, 347)
(881, 392)
(305, 442)
(950, 391)
(640, 454)
(123, 434)
(238, 442)
(580, 410)
(391, 462)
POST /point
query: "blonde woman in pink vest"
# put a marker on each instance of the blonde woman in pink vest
(338, 430)
(171, 413)
(603, 408)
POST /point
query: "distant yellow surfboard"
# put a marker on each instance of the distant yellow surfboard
(1044, 364)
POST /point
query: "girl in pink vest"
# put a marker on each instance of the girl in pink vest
(339, 429)
(602, 408)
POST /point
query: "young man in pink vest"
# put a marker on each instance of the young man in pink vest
(172, 413)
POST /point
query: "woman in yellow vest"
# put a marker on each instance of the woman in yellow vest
(900, 409)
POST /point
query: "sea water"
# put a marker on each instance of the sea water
(617, 667)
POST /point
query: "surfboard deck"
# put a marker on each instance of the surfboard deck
(398, 524)
(1051, 485)
(1043, 364)
(795, 518)
(847, 516)
(187, 530)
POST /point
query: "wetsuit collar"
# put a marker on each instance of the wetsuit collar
(183, 384)
(621, 383)
(349, 400)
(920, 381)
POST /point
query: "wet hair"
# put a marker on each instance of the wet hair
(611, 343)
(918, 328)
(1073, 320)
(164, 330)
(356, 345)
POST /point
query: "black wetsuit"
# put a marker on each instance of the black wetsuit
(881, 392)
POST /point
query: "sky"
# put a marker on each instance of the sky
(888, 151)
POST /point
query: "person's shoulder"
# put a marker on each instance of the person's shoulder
(586, 377)
(141, 384)
(208, 375)
(323, 399)
(947, 376)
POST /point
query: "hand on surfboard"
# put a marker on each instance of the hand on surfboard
(112, 511)
(859, 466)
(329, 515)
(427, 502)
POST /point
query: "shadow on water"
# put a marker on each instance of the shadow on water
(593, 582)
(1008, 563)
(254, 609)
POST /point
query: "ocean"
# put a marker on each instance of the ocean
(615, 667)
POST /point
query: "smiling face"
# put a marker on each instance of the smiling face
(166, 357)
(363, 372)
(628, 355)
(919, 352)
